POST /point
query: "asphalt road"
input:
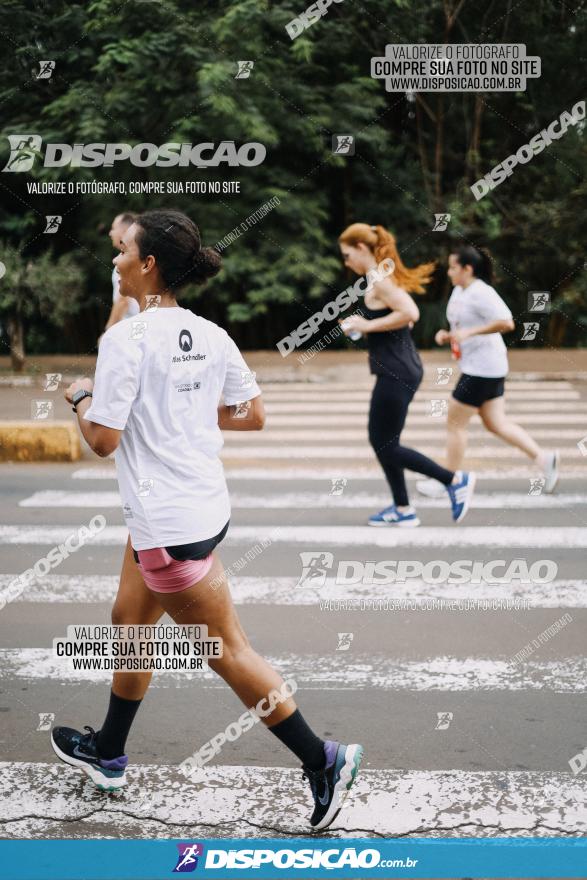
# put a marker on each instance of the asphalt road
(469, 715)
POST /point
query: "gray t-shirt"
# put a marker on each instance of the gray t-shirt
(474, 306)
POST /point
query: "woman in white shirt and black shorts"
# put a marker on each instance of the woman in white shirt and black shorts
(156, 403)
(478, 316)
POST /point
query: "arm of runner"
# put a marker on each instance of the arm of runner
(495, 316)
(243, 408)
(115, 387)
(100, 439)
(404, 311)
(249, 415)
(501, 326)
(442, 337)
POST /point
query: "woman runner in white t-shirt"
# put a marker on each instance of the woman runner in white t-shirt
(155, 401)
(478, 316)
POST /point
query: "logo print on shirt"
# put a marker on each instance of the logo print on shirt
(185, 340)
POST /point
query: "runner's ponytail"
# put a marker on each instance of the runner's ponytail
(379, 240)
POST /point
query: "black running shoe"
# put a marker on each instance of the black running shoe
(331, 786)
(79, 750)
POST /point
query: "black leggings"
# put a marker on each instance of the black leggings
(389, 408)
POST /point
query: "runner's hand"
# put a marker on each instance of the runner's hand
(442, 337)
(78, 385)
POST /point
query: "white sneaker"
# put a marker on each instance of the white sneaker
(431, 488)
(550, 471)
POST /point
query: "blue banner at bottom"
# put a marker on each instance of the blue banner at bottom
(288, 858)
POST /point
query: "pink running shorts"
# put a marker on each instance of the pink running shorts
(162, 574)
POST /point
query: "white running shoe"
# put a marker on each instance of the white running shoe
(550, 471)
(431, 488)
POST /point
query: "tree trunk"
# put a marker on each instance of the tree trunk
(16, 335)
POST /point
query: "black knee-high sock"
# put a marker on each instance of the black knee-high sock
(300, 739)
(117, 724)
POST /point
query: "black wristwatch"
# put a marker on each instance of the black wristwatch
(78, 396)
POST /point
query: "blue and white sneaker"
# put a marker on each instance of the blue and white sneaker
(79, 750)
(461, 493)
(331, 786)
(391, 516)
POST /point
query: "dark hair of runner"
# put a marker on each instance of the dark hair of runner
(174, 240)
(127, 217)
(477, 258)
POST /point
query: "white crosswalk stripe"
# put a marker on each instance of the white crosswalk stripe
(338, 670)
(356, 536)
(321, 474)
(359, 594)
(45, 799)
(314, 500)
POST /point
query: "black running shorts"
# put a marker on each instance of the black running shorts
(196, 550)
(476, 390)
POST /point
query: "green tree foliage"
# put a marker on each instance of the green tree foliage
(144, 71)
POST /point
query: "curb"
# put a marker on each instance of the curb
(39, 441)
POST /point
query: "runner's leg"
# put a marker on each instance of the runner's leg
(134, 604)
(495, 420)
(252, 678)
(457, 425)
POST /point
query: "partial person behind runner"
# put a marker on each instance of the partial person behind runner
(122, 306)
(478, 316)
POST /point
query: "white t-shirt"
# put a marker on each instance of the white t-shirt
(160, 378)
(133, 308)
(473, 306)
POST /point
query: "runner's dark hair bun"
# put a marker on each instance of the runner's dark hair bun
(207, 263)
(174, 241)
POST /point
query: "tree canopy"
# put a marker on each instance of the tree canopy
(159, 72)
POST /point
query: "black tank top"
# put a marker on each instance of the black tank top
(392, 353)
